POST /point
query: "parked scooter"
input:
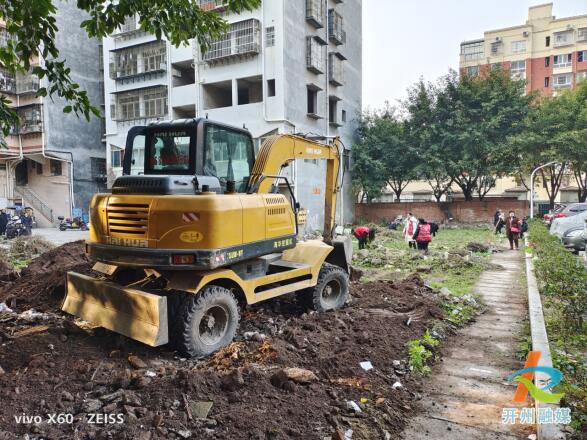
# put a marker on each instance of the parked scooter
(73, 224)
(15, 228)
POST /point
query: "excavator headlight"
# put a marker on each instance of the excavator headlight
(183, 259)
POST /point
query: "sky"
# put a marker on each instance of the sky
(404, 40)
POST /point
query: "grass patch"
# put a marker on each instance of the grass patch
(420, 352)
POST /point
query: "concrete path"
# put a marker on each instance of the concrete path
(467, 391)
(58, 237)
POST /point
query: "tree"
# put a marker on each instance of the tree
(32, 27)
(383, 156)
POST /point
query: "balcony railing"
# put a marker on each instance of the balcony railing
(563, 39)
(314, 57)
(315, 13)
(336, 33)
(243, 39)
(138, 60)
(138, 104)
(31, 119)
(32, 126)
(210, 5)
(27, 84)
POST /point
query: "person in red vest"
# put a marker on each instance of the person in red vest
(363, 233)
(423, 235)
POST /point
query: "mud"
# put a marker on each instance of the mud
(63, 369)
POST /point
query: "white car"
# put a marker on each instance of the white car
(561, 225)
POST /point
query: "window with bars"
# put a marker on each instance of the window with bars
(496, 47)
(155, 58)
(129, 25)
(28, 83)
(315, 12)
(582, 34)
(243, 38)
(7, 81)
(335, 69)
(336, 32)
(151, 57)
(314, 57)
(473, 70)
(473, 50)
(31, 119)
(155, 103)
(563, 60)
(128, 106)
(270, 36)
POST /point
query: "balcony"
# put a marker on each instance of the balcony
(563, 38)
(31, 119)
(7, 82)
(27, 84)
(140, 104)
(315, 13)
(336, 34)
(139, 60)
(211, 5)
(336, 69)
(241, 41)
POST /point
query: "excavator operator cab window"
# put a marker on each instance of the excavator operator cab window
(170, 153)
(228, 155)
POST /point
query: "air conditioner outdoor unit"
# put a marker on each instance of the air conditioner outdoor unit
(498, 38)
(526, 34)
(176, 73)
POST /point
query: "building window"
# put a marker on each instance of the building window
(495, 66)
(39, 167)
(154, 58)
(497, 46)
(582, 56)
(98, 167)
(312, 101)
(547, 82)
(547, 61)
(563, 60)
(472, 51)
(314, 58)
(473, 71)
(582, 34)
(518, 46)
(581, 76)
(333, 110)
(155, 104)
(563, 81)
(242, 39)
(336, 69)
(547, 42)
(270, 36)
(563, 38)
(343, 116)
(270, 87)
(129, 107)
(55, 166)
(116, 156)
(518, 68)
(336, 34)
(7, 81)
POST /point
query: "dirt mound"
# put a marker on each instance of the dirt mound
(28, 247)
(41, 284)
(248, 390)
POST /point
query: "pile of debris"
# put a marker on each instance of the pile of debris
(291, 373)
(42, 283)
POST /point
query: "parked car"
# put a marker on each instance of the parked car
(575, 238)
(571, 210)
(552, 214)
(560, 226)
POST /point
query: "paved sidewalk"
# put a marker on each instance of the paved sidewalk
(57, 237)
(467, 390)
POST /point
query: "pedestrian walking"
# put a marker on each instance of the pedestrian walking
(362, 234)
(4, 217)
(512, 230)
(496, 217)
(524, 227)
(409, 228)
(500, 222)
(27, 222)
(422, 235)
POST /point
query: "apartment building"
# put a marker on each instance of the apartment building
(286, 67)
(54, 161)
(549, 52)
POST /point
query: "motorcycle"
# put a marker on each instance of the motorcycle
(72, 224)
(15, 228)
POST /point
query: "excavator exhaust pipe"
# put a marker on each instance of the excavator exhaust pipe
(131, 312)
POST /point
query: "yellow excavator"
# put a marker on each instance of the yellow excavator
(195, 226)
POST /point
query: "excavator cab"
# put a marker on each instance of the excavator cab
(193, 227)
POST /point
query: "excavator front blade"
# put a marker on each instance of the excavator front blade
(134, 313)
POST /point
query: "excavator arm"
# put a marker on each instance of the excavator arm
(280, 150)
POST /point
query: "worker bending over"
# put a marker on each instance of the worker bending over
(364, 235)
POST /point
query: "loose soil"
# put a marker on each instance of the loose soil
(63, 369)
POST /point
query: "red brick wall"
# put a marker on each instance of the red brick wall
(461, 211)
(536, 72)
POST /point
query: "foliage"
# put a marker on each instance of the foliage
(418, 356)
(382, 155)
(32, 28)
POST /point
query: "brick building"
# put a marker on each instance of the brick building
(549, 53)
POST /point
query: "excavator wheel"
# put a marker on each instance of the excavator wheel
(205, 322)
(331, 292)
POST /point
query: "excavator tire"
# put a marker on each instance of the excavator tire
(330, 293)
(205, 322)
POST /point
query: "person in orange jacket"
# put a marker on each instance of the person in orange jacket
(363, 234)
(423, 235)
